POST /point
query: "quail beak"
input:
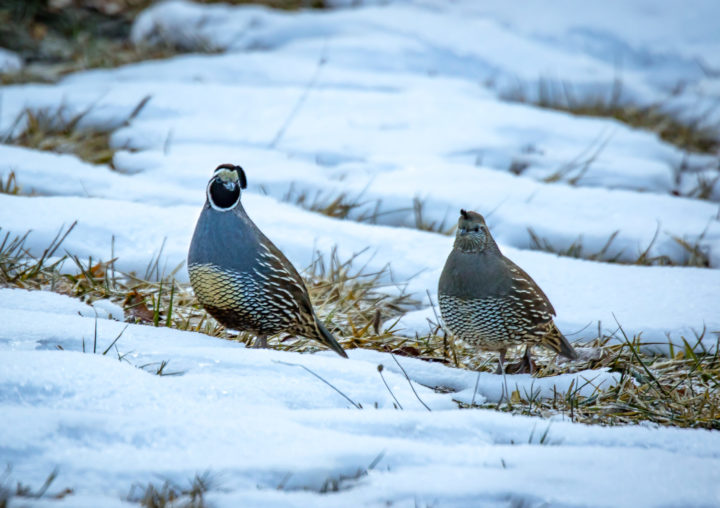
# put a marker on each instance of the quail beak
(462, 231)
(230, 185)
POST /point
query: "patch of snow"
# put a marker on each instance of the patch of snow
(20, 299)
(111, 309)
(490, 387)
(588, 50)
(9, 61)
(259, 421)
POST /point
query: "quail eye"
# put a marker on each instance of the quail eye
(476, 229)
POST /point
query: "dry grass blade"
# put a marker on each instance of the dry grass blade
(357, 406)
(410, 383)
(380, 369)
(9, 185)
(301, 99)
(696, 254)
(574, 170)
(423, 224)
(341, 482)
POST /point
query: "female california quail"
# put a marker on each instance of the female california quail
(238, 274)
(488, 301)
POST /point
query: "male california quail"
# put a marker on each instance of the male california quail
(238, 274)
(488, 301)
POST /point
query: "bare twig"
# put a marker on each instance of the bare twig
(410, 382)
(380, 371)
(358, 406)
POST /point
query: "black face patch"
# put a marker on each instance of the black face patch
(222, 196)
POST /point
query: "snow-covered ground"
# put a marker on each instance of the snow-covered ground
(387, 104)
(273, 434)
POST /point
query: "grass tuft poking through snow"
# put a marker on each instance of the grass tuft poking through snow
(695, 254)
(694, 135)
(354, 207)
(170, 494)
(26, 492)
(340, 206)
(60, 130)
(9, 185)
(56, 131)
(19, 269)
(681, 390)
(150, 495)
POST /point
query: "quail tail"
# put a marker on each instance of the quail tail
(327, 339)
(556, 341)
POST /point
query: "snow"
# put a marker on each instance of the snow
(588, 49)
(391, 105)
(9, 61)
(19, 299)
(257, 420)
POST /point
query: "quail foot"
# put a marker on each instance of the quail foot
(240, 277)
(488, 301)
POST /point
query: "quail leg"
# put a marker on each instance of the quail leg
(501, 369)
(524, 366)
(501, 364)
(260, 342)
(527, 364)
